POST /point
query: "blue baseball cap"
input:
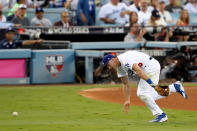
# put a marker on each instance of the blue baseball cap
(39, 9)
(155, 13)
(107, 58)
(10, 29)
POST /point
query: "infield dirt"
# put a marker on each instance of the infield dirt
(115, 95)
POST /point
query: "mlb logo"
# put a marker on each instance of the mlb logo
(54, 64)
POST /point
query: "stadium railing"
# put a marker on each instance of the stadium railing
(91, 50)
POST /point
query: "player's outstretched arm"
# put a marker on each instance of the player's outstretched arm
(32, 42)
(127, 93)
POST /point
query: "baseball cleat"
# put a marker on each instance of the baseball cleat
(180, 89)
(160, 118)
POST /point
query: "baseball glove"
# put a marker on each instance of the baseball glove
(162, 90)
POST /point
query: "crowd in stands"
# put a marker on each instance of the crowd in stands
(149, 12)
(130, 13)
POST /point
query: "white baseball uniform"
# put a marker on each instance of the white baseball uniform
(152, 68)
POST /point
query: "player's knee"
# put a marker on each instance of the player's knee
(142, 96)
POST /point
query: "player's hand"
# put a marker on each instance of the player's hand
(126, 106)
(110, 21)
(39, 41)
(142, 32)
(83, 18)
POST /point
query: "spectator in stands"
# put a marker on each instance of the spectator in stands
(21, 19)
(135, 7)
(136, 34)
(11, 17)
(10, 43)
(164, 35)
(144, 15)
(86, 12)
(39, 20)
(156, 20)
(154, 4)
(133, 18)
(114, 12)
(173, 7)
(28, 3)
(163, 13)
(191, 6)
(10, 3)
(65, 20)
(2, 17)
(165, 1)
(184, 18)
(71, 4)
(183, 21)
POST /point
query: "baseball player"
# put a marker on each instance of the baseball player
(148, 70)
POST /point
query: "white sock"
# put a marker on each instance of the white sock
(172, 88)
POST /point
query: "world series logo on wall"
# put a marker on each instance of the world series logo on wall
(54, 64)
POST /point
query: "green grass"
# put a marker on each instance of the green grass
(61, 108)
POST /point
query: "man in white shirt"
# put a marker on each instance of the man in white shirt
(114, 12)
(135, 7)
(191, 7)
(148, 69)
(39, 20)
(143, 14)
(163, 13)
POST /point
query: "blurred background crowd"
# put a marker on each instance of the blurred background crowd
(88, 12)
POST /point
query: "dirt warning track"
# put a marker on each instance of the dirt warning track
(115, 95)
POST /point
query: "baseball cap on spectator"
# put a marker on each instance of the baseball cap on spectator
(155, 13)
(10, 29)
(22, 6)
(39, 9)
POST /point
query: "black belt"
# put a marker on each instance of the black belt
(150, 58)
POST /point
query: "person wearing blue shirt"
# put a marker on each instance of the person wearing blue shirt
(10, 43)
(86, 12)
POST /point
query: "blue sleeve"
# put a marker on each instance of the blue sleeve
(80, 4)
(2, 44)
(94, 9)
(79, 9)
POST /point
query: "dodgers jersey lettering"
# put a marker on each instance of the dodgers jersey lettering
(129, 58)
